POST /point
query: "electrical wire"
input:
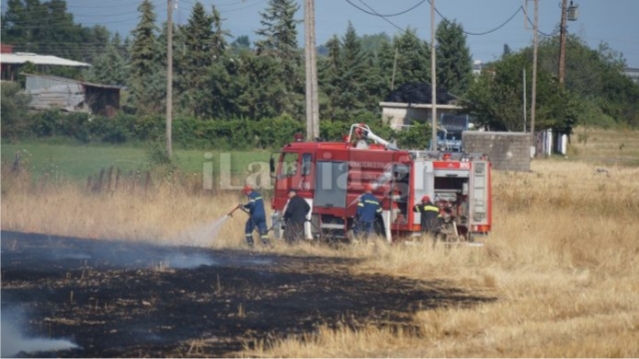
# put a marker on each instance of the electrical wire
(485, 32)
(541, 32)
(375, 13)
(393, 24)
(31, 23)
(388, 15)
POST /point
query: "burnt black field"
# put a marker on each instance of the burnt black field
(125, 299)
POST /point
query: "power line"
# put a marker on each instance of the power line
(485, 32)
(388, 15)
(375, 13)
(242, 3)
(31, 24)
(392, 23)
(555, 32)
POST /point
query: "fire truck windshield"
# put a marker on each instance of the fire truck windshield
(288, 164)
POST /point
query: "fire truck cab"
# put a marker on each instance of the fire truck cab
(331, 176)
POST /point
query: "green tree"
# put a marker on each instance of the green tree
(110, 67)
(351, 97)
(279, 40)
(507, 50)
(196, 59)
(143, 63)
(454, 63)
(375, 85)
(595, 75)
(263, 94)
(329, 70)
(372, 44)
(495, 100)
(279, 30)
(47, 28)
(413, 59)
(241, 43)
(13, 106)
(386, 62)
(219, 42)
(226, 81)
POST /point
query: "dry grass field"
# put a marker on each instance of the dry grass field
(562, 260)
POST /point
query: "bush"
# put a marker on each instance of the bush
(415, 137)
(13, 107)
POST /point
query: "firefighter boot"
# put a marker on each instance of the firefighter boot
(249, 240)
(265, 239)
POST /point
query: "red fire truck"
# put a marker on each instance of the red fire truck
(331, 176)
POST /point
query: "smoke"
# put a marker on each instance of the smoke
(188, 261)
(194, 260)
(71, 255)
(14, 342)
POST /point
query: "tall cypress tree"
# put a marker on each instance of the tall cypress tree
(413, 59)
(279, 40)
(195, 60)
(352, 95)
(143, 65)
(328, 77)
(454, 63)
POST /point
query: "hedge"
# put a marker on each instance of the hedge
(189, 132)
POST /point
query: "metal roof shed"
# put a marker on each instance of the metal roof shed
(72, 95)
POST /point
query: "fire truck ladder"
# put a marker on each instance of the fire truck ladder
(361, 130)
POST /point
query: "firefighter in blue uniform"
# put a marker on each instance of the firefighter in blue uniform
(367, 210)
(257, 216)
(429, 216)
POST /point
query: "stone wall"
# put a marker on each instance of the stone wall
(507, 151)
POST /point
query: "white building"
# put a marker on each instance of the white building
(477, 66)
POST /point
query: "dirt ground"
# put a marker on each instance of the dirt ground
(123, 299)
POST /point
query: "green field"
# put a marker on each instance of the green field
(76, 162)
(68, 160)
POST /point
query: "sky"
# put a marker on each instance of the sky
(612, 21)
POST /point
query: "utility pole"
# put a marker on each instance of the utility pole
(533, 105)
(562, 41)
(524, 98)
(169, 78)
(394, 68)
(315, 107)
(433, 77)
(307, 64)
(312, 105)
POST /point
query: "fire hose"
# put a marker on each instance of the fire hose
(239, 206)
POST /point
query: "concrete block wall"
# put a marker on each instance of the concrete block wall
(508, 151)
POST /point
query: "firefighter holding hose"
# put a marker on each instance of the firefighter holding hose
(257, 216)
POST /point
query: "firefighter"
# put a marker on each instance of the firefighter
(429, 216)
(294, 217)
(257, 216)
(367, 210)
